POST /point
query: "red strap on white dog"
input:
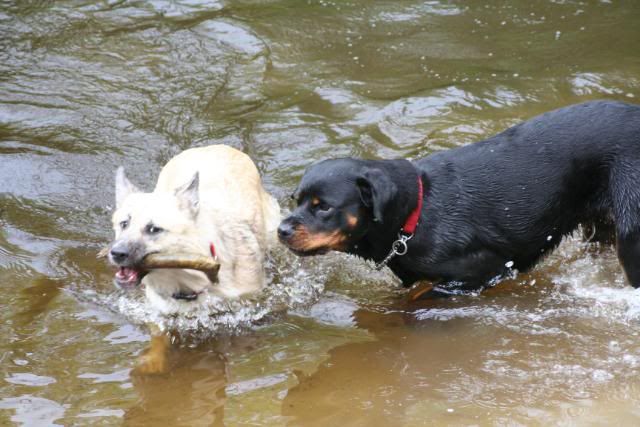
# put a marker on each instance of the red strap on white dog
(412, 222)
(212, 248)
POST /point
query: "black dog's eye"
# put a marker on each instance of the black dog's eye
(124, 224)
(320, 207)
(323, 207)
(152, 229)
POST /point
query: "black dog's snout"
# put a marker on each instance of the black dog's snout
(119, 254)
(285, 230)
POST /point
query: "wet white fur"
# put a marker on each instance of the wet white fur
(229, 208)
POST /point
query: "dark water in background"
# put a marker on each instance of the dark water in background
(86, 87)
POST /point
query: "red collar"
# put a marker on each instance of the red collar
(411, 223)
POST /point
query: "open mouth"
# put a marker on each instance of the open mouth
(128, 277)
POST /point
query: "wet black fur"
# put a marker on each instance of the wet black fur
(509, 198)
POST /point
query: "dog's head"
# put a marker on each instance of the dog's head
(337, 201)
(150, 223)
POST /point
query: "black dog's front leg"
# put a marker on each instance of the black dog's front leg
(629, 254)
(468, 273)
(440, 289)
(425, 291)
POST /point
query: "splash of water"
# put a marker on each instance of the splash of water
(292, 282)
(586, 281)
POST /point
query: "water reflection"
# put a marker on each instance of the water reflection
(193, 394)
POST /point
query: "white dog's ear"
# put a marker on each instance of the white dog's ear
(124, 187)
(188, 195)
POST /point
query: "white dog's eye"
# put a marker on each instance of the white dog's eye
(124, 224)
(152, 229)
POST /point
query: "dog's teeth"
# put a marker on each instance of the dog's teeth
(127, 274)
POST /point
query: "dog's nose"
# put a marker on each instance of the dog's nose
(285, 230)
(118, 254)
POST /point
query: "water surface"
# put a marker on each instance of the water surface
(88, 86)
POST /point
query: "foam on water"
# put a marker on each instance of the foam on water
(594, 280)
(587, 282)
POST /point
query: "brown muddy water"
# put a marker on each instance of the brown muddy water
(88, 86)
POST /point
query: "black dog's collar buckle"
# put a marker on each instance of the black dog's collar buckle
(398, 248)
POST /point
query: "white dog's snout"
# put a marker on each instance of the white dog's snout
(119, 252)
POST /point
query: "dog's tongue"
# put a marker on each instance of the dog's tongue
(127, 275)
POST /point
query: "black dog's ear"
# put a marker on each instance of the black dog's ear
(296, 193)
(376, 190)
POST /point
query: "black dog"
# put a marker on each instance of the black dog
(484, 209)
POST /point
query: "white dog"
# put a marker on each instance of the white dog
(208, 201)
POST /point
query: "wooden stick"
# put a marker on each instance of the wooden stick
(103, 252)
(184, 260)
(206, 264)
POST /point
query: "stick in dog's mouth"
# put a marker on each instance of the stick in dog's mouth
(189, 261)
